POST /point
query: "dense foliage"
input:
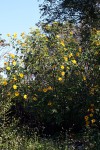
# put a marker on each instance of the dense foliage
(52, 82)
(85, 13)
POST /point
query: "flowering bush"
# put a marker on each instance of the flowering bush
(51, 79)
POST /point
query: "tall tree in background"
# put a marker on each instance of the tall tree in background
(85, 12)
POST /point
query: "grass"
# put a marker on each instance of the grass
(12, 139)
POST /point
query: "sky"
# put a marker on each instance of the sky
(18, 16)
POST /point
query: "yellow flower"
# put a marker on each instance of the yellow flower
(91, 115)
(77, 54)
(92, 105)
(49, 103)
(63, 73)
(98, 31)
(70, 55)
(22, 34)
(4, 82)
(97, 43)
(50, 88)
(18, 41)
(25, 96)
(21, 75)
(71, 33)
(15, 35)
(92, 90)
(5, 63)
(84, 78)
(80, 49)
(15, 79)
(62, 43)
(8, 68)
(87, 123)
(8, 34)
(57, 36)
(35, 98)
(23, 44)
(14, 63)
(86, 118)
(45, 90)
(16, 93)
(65, 49)
(12, 55)
(8, 93)
(93, 121)
(14, 87)
(11, 81)
(60, 79)
(65, 58)
(62, 67)
(74, 61)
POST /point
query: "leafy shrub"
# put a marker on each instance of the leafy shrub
(51, 80)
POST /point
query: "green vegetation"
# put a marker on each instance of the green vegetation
(51, 89)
